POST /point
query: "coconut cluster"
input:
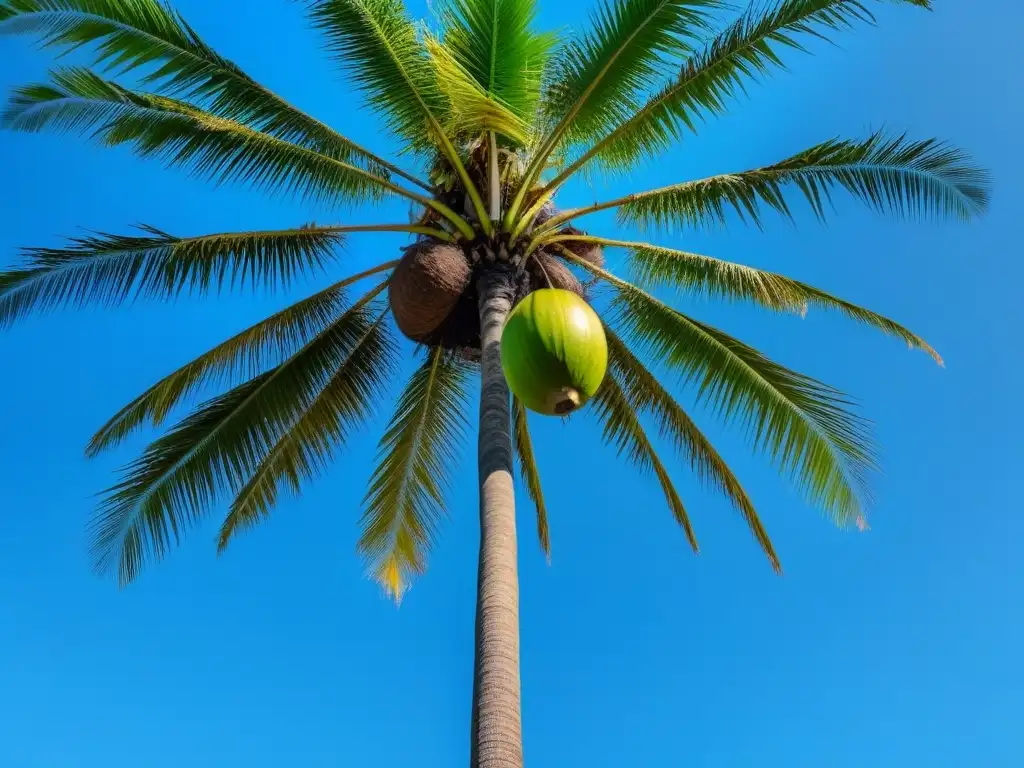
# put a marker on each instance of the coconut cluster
(433, 294)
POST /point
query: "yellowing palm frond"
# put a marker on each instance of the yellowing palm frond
(472, 109)
(418, 454)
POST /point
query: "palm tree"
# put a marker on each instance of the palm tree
(495, 118)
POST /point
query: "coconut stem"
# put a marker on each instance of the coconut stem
(568, 403)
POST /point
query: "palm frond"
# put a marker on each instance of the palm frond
(910, 178)
(243, 356)
(803, 425)
(598, 76)
(310, 444)
(147, 33)
(111, 269)
(494, 44)
(747, 50)
(623, 429)
(214, 450)
(181, 134)
(697, 274)
(418, 454)
(473, 110)
(645, 393)
(376, 43)
(531, 475)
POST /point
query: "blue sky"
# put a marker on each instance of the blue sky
(898, 647)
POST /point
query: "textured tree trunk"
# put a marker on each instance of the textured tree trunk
(497, 740)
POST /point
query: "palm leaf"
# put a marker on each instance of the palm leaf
(597, 77)
(473, 110)
(377, 43)
(747, 50)
(643, 390)
(802, 424)
(243, 356)
(492, 42)
(214, 450)
(147, 33)
(418, 454)
(704, 275)
(599, 74)
(531, 475)
(182, 134)
(622, 428)
(310, 444)
(924, 178)
(111, 269)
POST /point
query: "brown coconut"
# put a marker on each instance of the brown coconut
(592, 253)
(547, 271)
(426, 286)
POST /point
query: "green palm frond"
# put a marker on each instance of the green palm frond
(697, 274)
(473, 110)
(924, 178)
(492, 41)
(643, 390)
(418, 455)
(181, 134)
(597, 77)
(111, 269)
(622, 428)
(243, 356)
(599, 74)
(375, 41)
(309, 445)
(214, 450)
(147, 33)
(802, 424)
(376, 44)
(747, 50)
(531, 475)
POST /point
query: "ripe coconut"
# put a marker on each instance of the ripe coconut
(426, 286)
(553, 351)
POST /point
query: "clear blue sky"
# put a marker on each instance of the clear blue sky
(899, 647)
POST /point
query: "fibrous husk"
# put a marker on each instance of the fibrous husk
(547, 271)
(589, 252)
(426, 286)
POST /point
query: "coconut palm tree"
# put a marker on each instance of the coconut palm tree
(494, 117)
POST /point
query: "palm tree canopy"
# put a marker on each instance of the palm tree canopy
(494, 116)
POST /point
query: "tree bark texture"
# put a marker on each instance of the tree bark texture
(497, 727)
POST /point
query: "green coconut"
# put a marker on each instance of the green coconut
(553, 351)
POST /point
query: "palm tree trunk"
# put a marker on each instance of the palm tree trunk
(497, 730)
